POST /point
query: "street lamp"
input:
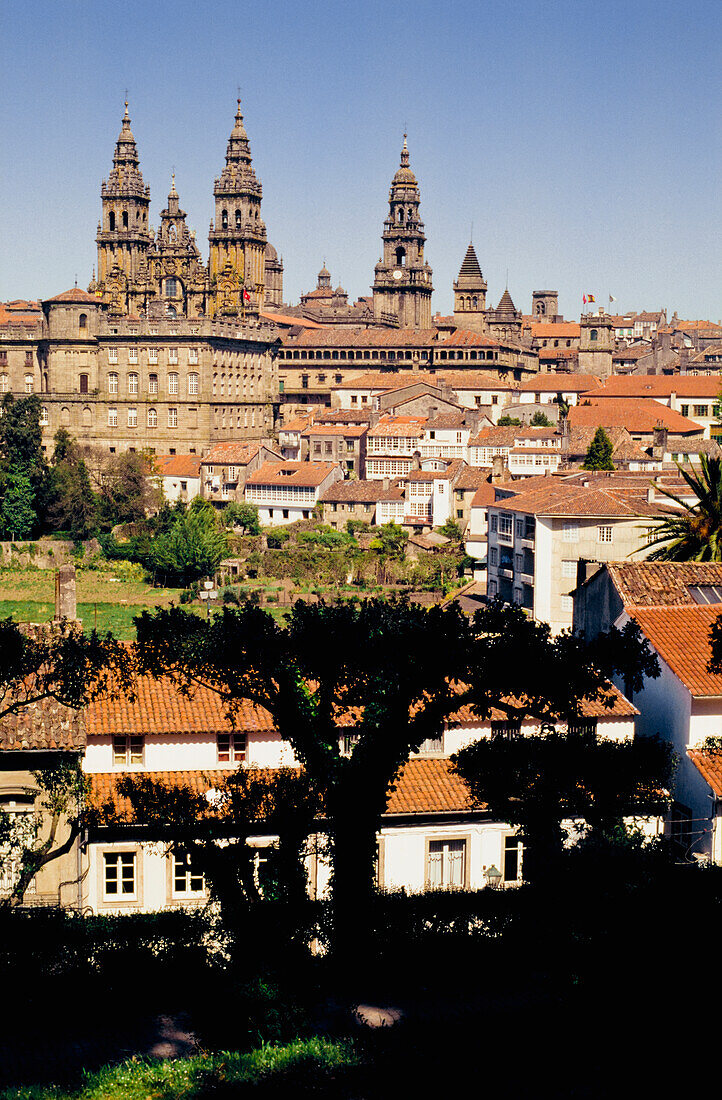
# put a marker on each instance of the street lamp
(492, 876)
(208, 593)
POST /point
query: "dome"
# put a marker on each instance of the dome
(404, 176)
(324, 273)
(340, 292)
(271, 254)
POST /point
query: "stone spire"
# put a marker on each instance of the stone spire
(237, 236)
(470, 294)
(402, 284)
(124, 233)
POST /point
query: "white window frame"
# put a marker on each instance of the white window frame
(446, 863)
(120, 861)
(112, 417)
(128, 750)
(193, 383)
(173, 382)
(231, 748)
(172, 417)
(113, 382)
(133, 382)
(570, 531)
(181, 867)
(604, 533)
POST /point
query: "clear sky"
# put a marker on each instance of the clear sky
(582, 140)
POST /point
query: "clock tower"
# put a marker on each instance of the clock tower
(402, 284)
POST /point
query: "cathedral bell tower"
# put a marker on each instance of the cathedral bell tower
(470, 294)
(123, 234)
(237, 236)
(402, 284)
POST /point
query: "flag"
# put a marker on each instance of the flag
(246, 295)
(584, 299)
(612, 298)
(591, 298)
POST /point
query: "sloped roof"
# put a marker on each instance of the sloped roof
(178, 465)
(43, 725)
(562, 498)
(548, 382)
(332, 337)
(506, 304)
(75, 294)
(309, 474)
(661, 583)
(660, 385)
(563, 329)
(709, 766)
(680, 636)
(464, 337)
(470, 265)
(635, 416)
(160, 708)
(238, 454)
(357, 491)
(428, 786)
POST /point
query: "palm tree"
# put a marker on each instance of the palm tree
(695, 533)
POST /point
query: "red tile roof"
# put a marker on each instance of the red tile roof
(335, 429)
(463, 337)
(554, 497)
(75, 294)
(403, 426)
(484, 495)
(309, 474)
(544, 329)
(709, 764)
(356, 491)
(560, 383)
(43, 725)
(284, 319)
(237, 454)
(660, 385)
(329, 336)
(661, 583)
(635, 416)
(428, 786)
(178, 465)
(160, 708)
(680, 636)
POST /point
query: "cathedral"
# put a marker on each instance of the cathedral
(168, 354)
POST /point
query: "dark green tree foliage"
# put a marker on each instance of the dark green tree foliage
(242, 514)
(534, 782)
(509, 422)
(390, 540)
(70, 503)
(540, 420)
(129, 490)
(21, 437)
(599, 455)
(385, 675)
(192, 548)
(693, 533)
(18, 506)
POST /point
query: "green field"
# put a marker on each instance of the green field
(104, 601)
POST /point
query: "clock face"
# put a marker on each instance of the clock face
(397, 273)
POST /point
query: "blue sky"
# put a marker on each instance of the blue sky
(583, 140)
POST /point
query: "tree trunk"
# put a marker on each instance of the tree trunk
(353, 838)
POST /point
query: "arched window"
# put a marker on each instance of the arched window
(223, 384)
(593, 334)
(401, 256)
(111, 221)
(475, 303)
(215, 384)
(171, 312)
(152, 383)
(83, 320)
(132, 382)
(125, 219)
(87, 416)
(152, 418)
(45, 382)
(192, 384)
(173, 382)
(112, 382)
(541, 308)
(171, 287)
(224, 219)
(238, 219)
(65, 416)
(83, 380)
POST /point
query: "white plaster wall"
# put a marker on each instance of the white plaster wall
(404, 859)
(153, 885)
(543, 550)
(189, 752)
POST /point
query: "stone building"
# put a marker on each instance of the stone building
(402, 283)
(162, 352)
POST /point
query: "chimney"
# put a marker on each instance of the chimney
(650, 495)
(65, 601)
(659, 441)
(498, 469)
(386, 483)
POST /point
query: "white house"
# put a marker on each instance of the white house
(179, 476)
(289, 491)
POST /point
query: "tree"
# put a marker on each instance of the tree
(508, 422)
(71, 668)
(599, 455)
(535, 782)
(540, 420)
(18, 513)
(21, 437)
(69, 501)
(242, 514)
(129, 488)
(192, 548)
(390, 540)
(380, 678)
(693, 533)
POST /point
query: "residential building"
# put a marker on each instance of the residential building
(430, 493)
(356, 499)
(639, 417)
(179, 476)
(695, 397)
(342, 443)
(226, 467)
(391, 446)
(542, 535)
(288, 491)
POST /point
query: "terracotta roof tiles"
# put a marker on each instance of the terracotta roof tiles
(681, 637)
(309, 474)
(178, 465)
(635, 416)
(661, 583)
(709, 764)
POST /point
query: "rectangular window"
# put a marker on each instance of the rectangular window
(513, 852)
(132, 355)
(519, 562)
(570, 531)
(112, 418)
(127, 750)
(604, 534)
(172, 355)
(520, 528)
(152, 355)
(132, 418)
(112, 355)
(582, 727)
(506, 527)
(567, 603)
(506, 729)
(493, 522)
(493, 556)
(231, 748)
(173, 382)
(133, 383)
(112, 382)
(152, 383)
(446, 864)
(83, 383)
(188, 880)
(432, 744)
(684, 409)
(569, 569)
(119, 874)
(172, 418)
(700, 410)
(193, 357)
